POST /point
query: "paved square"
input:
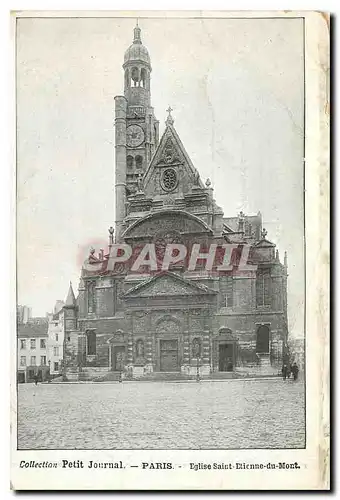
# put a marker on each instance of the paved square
(162, 415)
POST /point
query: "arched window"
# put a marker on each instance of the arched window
(263, 288)
(135, 76)
(196, 348)
(127, 78)
(262, 339)
(129, 161)
(143, 78)
(139, 161)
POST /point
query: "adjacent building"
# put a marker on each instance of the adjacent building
(55, 343)
(146, 323)
(32, 351)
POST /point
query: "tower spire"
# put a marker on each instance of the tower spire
(70, 300)
(136, 34)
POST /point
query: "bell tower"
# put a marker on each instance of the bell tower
(137, 130)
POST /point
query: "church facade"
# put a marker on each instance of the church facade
(146, 320)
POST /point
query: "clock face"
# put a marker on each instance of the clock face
(134, 135)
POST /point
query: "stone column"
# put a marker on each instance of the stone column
(206, 355)
(148, 355)
(130, 350)
(120, 170)
(186, 353)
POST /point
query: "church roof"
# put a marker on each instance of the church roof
(33, 330)
(70, 300)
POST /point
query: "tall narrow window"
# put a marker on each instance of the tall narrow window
(142, 77)
(139, 161)
(91, 343)
(263, 288)
(33, 343)
(135, 77)
(129, 161)
(91, 302)
(33, 360)
(230, 292)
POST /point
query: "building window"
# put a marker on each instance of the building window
(56, 337)
(135, 77)
(230, 292)
(33, 360)
(169, 179)
(33, 343)
(142, 78)
(262, 339)
(22, 360)
(56, 366)
(263, 282)
(55, 351)
(91, 302)
(22, 344)
(139, 161)
(43, 360)
(91, 343)
(129, 161)
(42, 343)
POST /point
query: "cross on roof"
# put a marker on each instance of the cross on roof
(169, 120)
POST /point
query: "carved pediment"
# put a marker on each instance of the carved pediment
(167, 284)
(171, 170)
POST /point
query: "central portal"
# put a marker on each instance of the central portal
(169, 355)
(226, 357)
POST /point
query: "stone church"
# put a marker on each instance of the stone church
(154, 323)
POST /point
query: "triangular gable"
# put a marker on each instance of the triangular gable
(167, 284)
(171, 153)
(264, 244)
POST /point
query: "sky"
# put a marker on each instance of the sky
(236, 89)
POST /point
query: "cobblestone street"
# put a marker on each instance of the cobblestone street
(162, 415)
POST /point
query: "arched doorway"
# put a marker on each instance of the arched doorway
(262, 339)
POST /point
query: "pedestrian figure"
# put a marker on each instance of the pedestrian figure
(289, 371)
(36, 379)
(284, 371)
(295, 371)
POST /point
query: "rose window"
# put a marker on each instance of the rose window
(169, 180)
